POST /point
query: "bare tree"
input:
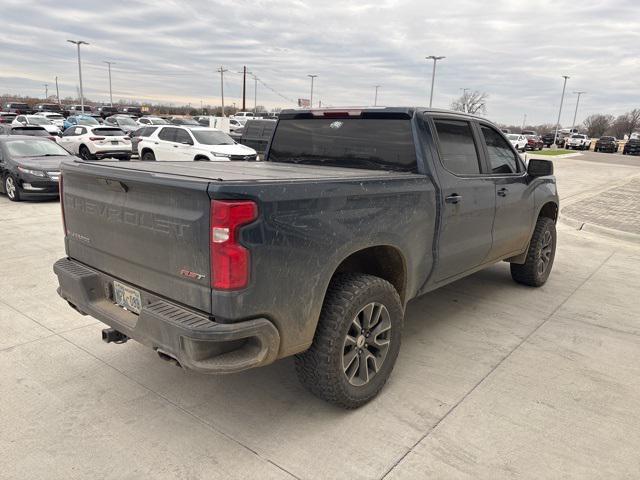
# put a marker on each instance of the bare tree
(596, 125)
(471, 102)
(625, 124)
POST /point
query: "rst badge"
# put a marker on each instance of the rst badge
(189, 274)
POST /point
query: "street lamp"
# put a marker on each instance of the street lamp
(78, 43)
(433, 75)
(575, 114)
(311, 99)
(564, 86)
(110, 92)
(464, 99)
(375, 100)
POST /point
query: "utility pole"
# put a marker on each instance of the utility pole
(46, 91)
(222, 70)
(244, 88)
(78, 43)
(375, 100)
(57, 91)
(110, 92)
(311, 99)
(523, 122)
(433, 75)
(564, 86)
(575, 114)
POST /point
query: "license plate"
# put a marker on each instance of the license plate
(114, 142)
(127, 297)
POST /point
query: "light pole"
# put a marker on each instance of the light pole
(375, 99)
(46, 91)
(433, 75)
(575, 114)
(564, 86)
(464, 99)
(110, 92)
(311, 99)
(78, 43)
(524, 120)
(57, 91)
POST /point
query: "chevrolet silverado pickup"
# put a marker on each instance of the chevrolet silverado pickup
(314, 252)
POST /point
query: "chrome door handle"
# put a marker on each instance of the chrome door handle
(453, 198)
(503, 192)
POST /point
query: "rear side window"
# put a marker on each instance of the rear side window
(146, 131)
(457, 147)
(369, 143)
(501, 157)
(168, 134)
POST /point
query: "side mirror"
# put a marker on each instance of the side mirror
(539, 168)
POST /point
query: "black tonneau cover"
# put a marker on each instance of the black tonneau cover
(238, 171)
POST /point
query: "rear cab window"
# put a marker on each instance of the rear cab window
(375, 142)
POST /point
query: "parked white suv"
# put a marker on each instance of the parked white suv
(242, 117)
(578, 142)
(519, 142)
(176, 143)
(99, 141)
(30, 120)
(56, 118)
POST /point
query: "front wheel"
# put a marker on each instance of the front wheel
(148, 156)
(542, 250)
(11, 188)
(356, 343)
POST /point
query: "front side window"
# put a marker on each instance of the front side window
(502, 158)
(457, 147)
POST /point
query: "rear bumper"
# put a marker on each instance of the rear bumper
(192, 338)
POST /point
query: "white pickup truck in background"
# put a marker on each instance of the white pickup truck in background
(578, 141)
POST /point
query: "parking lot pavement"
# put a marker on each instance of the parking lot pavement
(494, 379)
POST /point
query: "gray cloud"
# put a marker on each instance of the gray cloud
(169, 51)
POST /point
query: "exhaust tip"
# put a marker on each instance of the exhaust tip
(110, 335)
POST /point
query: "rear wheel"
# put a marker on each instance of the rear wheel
(12, 189)
(85, 154)
(542, 250)
(148, 156)
(356, 343)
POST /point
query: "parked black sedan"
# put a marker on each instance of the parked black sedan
(606, 144)
(30, 166)
(632, 147)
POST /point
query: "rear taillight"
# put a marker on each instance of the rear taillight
(230, 260)
(93, 139)
(61, 193)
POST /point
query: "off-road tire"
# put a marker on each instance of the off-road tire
(530, 273)
(321, 368)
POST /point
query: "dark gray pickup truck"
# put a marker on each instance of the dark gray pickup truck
(314, 252)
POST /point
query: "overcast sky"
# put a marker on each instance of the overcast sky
(169, 51)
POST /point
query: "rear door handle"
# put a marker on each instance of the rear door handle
(503, 192)
(453, 198)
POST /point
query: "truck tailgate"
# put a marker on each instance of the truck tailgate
(144, 229)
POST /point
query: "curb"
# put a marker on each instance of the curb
(597, 229)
